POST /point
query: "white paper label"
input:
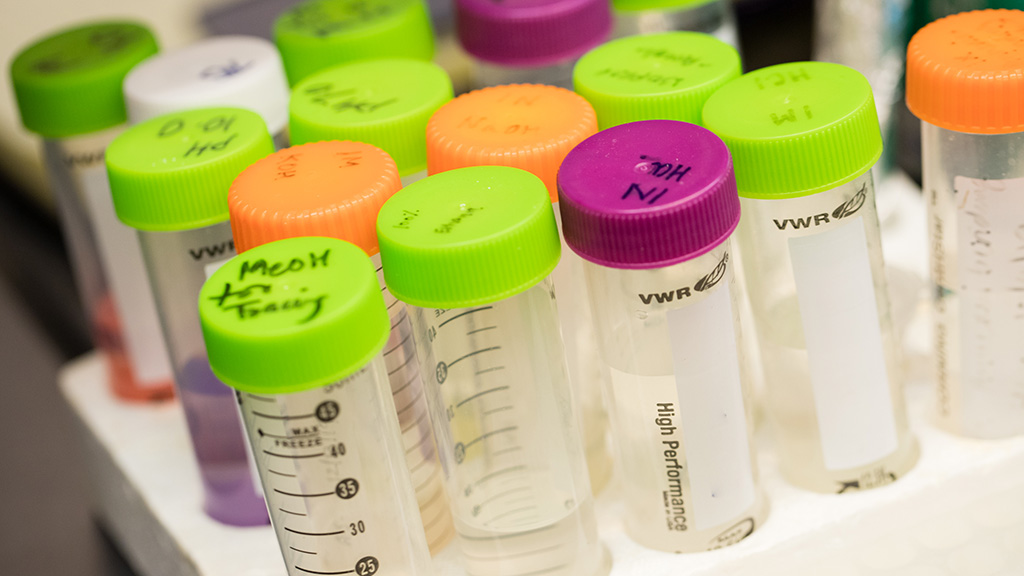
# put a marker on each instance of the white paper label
(990, 269)
(212, 267)
(126, 274)
(714, 424)
(844, 345)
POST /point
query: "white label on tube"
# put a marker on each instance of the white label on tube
(126, 274)
(714, 424)
(990, 269)
(844, 345)
(212, 267)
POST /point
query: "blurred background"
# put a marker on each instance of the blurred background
(46, 526)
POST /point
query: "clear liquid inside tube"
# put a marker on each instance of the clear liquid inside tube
(714, 18)
(672, 342)
(333, 470)
(507, 434)
(835, 399)
(558, 74)
(179, 263)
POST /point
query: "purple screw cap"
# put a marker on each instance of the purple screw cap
(530, 33)
(647, 195)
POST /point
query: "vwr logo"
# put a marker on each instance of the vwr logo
(705, 283)
(848, 208)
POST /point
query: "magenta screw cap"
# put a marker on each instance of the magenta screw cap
(531, 33)
(647, 195)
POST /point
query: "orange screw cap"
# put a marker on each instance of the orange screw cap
(526, 126)
(966, 72)
(332, 189)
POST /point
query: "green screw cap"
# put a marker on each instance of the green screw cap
(468, 236)
(796, 129)
(173, 172)
(386, 103)
(319, 34)
(654, 77)
(293, 315)
(634, 5)
(70, 83)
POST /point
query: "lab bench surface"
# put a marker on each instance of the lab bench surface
(959, 512)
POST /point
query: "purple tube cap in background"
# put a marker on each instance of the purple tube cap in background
(647, 195)
(531, 33)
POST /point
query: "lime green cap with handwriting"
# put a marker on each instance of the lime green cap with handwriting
(293, 315)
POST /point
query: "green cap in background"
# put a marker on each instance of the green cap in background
(796, 129)
(173, 172)
(633, 5)
(386, 103)
(293, 315)
(320, 34)
(70, 83)
(468, 236)
(654, 77)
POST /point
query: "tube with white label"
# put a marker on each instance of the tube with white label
(297, 327)
(973, 170)
(170, 178)
(238, 71)
(804, 137)
(651, 206)
(68, 88)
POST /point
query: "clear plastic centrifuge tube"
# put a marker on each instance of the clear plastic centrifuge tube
(236, 71)
(297, 328)
(804, 137)
(335, 189)
(533, 127)
(449, 53)
(654, 77)
(170, 177)
(524, 41)
(386, 103)
(470, 252)
(320, 34)
(965, 81)
(651, 206)
(68, 88)
(712, 17)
